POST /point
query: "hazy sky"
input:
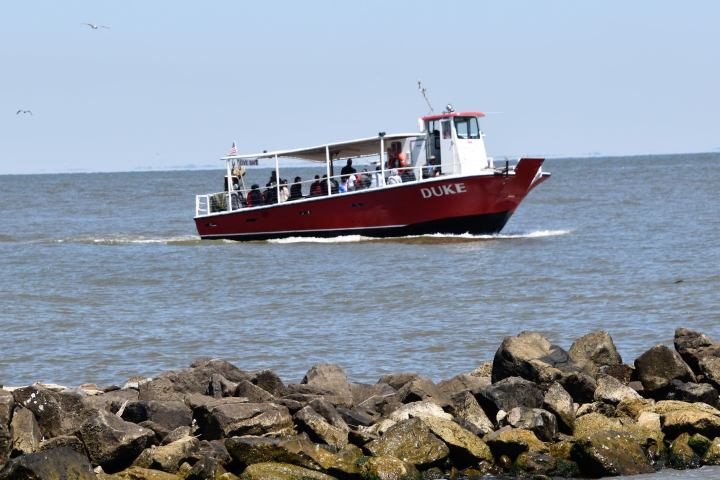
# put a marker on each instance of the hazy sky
(173, 83)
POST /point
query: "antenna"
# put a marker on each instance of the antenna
(423, 91)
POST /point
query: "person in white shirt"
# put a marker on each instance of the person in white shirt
(394, 178)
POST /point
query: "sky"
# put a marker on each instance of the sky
(171, 84)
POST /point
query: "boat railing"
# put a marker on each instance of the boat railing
(240, 198)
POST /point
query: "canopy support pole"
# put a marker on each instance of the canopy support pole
(229, 184)
(327, 165)
(277, 178)
(382, 160)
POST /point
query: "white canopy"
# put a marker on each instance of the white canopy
(354, 148)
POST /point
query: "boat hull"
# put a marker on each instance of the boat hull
(476, 204)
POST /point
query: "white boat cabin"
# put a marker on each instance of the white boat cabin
(448, 144)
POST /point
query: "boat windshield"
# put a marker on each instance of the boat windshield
(467, 127)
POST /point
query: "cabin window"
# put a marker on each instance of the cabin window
(446, 129)
(467, 127)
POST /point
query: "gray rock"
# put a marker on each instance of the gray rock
(26, 434)
(228, 417)
(373, 397)
(7, 405)
(168, 458)
(397, 380)
(202, 377)
(249, 450)
(509, 393)
(710, 367)
(177, 434)
(330, 378)
(658, 367)
(693, 346)
(320, 429)
(624, 373)
(579, 385)
(422, 389)
(559, 402)
(161, 390)
(253, 393)
(57, 413)
(329, 413)
(610, 453)
(594, 350)
(55, 464)
(462, 383)
(541, 422)
(169, 414)
(410, 441)
(466, 408)
(530, 356)
(220, 386)
(69, 441)
(111, 442)
(694, 392)
(610, 390)
(205, 468)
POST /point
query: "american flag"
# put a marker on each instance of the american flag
(233, 150)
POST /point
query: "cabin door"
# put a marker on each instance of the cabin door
(447, 154)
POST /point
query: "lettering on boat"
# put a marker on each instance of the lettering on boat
(441, 190)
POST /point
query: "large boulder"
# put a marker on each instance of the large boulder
(169, 414)
(168, 458)
(385, 467)
(320, 429)
(253, 393)
(462, 383)
(281, 471)
(681, 417)
(230, 416)
(610, 453)
(54, 464)
(509, 393)
(269, 381)
(297, 450)
(422, 389)
(410, 441)
(530, 356)
(330, 378)
(468, 411)
(466, 448)
(541, 422)
(658, 367)
(694, 392)
(111, 442)
(681, 455)
(611, 390)
(57, 413)
(26, 433)
(594, 350)
(710, 367)
(513, 441)
(7, 405)
(559, 402)
(139, 473)
(204, 376)
(694, 346)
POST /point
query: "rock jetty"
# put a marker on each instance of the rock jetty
(535, 411)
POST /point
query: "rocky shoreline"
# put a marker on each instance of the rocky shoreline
(535, 411)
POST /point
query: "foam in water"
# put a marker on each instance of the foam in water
(462, 236)
(131, 239)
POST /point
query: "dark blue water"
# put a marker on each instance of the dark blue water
(103, 277)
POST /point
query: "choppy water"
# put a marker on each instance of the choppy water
(103, 277)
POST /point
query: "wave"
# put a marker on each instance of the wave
(430, 236)
(132, 240)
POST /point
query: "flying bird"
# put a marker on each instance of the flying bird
(23, 111)
(95, 27)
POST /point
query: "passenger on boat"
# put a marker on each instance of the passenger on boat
(255, 197)
(334, 186)
(316, 188)
(375, 181)
(284, 191)
(347, 170)
(296, 189)
(351, 184)
(407, 174)
(394, 178)
(271, 194)
(365, 179)
(323, 185)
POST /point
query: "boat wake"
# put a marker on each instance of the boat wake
(132, 240)
(428, 237)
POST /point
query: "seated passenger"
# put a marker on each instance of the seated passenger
(296, 189)
(255, 197)
(324, 185)
(351, 183)
(394, 178)
(334, 186)
(408, 175)
(284, 191)
(365, 179)
(315, 188)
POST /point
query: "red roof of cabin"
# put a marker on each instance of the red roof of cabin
(453, 114)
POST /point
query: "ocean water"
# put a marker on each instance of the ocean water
(103, 277)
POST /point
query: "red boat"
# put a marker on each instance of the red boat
(439, 180)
